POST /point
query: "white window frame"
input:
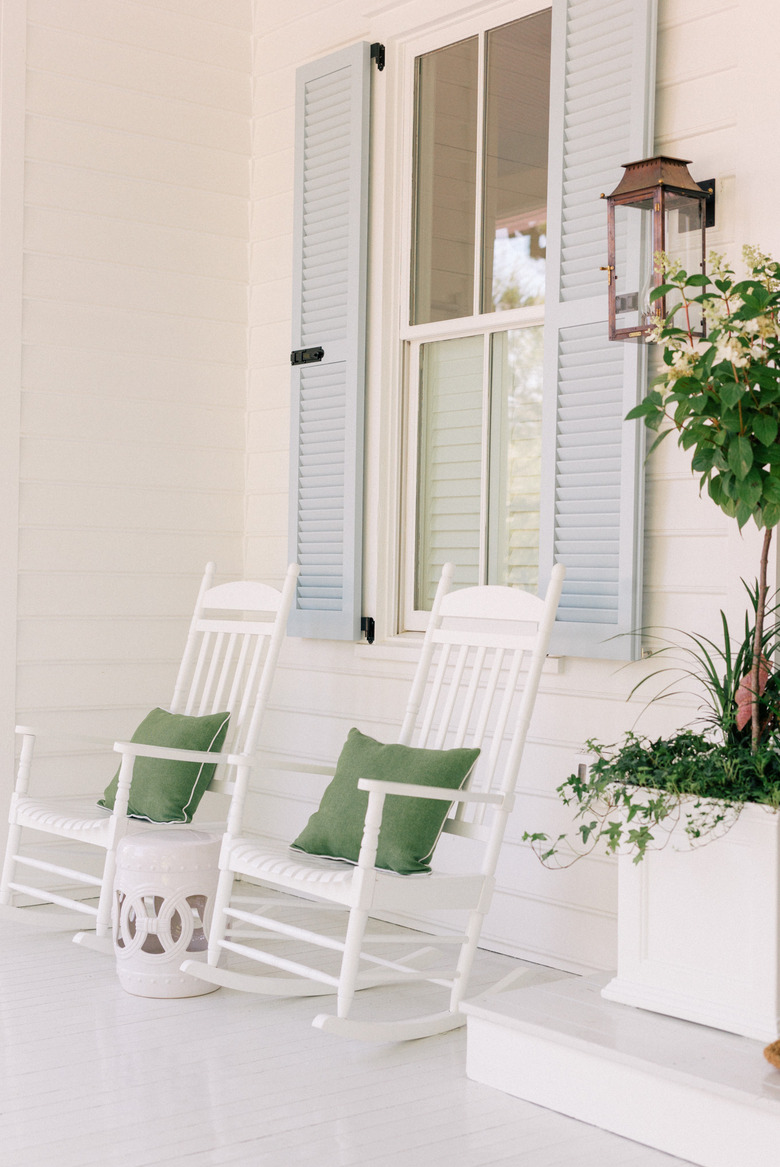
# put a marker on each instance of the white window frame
(411, 336)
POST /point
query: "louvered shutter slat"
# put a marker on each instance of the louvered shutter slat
(329, 281)
(601, 117)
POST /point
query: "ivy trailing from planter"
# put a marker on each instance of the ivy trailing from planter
(635, 793)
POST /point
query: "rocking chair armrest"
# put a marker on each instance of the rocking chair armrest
(170, 753)
(444, 793)
(57, 735)
(297, 766)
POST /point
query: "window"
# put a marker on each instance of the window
(478, 273)
(511, 400)
(517, 455)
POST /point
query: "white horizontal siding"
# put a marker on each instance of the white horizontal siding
(125, 108)
(89, 549)
(140, 155)
(73, 371)
(134, 328)
(206, 219)
(12, 118)
(132, 288)
(145, 25)
(166, 74)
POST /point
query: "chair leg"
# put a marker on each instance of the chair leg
(219, 921)
(466, 959)
(103, 922)
(14, 838)
(350, 963)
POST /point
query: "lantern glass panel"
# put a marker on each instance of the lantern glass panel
(633, 273)
(684, 216)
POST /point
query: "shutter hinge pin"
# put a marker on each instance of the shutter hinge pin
(367, 626)
(378, 55)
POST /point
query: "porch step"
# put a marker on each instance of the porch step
(697, 1093)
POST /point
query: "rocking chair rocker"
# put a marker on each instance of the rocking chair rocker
(227, 668)
(469, 690)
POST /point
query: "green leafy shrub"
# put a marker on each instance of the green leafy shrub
(635, 792)
(720, 395)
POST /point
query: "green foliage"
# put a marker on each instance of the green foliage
(636, 791)
(718, 671)
(721, 394)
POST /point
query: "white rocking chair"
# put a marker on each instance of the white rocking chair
(228, 665)
(470, 689)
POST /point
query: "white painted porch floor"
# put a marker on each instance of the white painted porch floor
(94, 1076)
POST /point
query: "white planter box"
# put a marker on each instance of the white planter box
(698, 930)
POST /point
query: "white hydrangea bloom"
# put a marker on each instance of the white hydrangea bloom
(764, 326)
(716, 310)
(716, 264)
(729, 349)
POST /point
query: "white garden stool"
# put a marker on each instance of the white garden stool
(163, 900)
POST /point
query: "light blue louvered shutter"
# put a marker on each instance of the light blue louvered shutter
(601, 106)
(329, 296)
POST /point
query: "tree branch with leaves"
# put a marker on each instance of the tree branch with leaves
(720, 394)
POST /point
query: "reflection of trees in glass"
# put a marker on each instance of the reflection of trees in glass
(524, 455)
(518, 269)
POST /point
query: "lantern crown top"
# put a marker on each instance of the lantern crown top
(639, 178)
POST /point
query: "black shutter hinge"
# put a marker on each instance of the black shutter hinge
(378, 55)
(367, 626)
(305, 356)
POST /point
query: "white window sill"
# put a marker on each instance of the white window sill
(406, 647)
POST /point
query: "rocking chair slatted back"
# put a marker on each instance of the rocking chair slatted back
(229, 661)
(468, 692)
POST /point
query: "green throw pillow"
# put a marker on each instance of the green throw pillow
(163, 791)
(410, 826)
